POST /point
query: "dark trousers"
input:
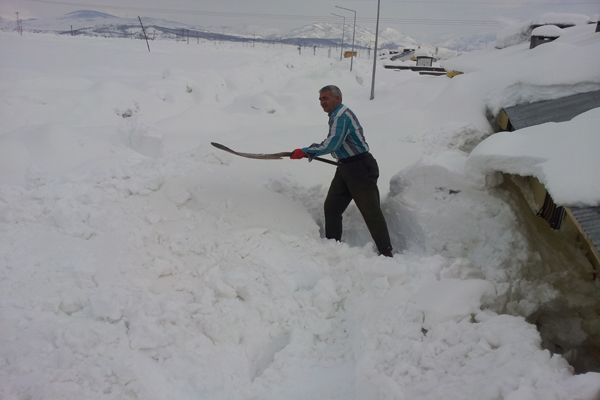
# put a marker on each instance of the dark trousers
(356, 179)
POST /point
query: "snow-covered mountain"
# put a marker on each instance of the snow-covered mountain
(321, 31)
(90, 15)
(91, 23)
(469, 43)
(388, 37)
(245, 30)
(95, 23)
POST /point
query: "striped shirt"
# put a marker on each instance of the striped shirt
(345, 138)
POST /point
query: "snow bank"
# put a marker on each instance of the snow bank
(563, 156)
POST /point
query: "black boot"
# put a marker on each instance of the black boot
(386, 253)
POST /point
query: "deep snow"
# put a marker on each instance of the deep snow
(137, 261)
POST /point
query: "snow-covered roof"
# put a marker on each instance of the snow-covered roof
(557, 110)
(547, 31)
(563, 156)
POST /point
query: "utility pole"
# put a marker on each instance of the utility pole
(144, 31)
(19, 25)
(343, 30)
(353, 32)
(375, 53)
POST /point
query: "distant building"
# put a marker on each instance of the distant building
(423, 58)
(423, 63)
(405, 55)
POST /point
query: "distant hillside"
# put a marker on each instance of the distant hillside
(87, 14)
(470, 43)
(388, 38)
(96, 23)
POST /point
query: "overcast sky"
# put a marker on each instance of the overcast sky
(426, 19)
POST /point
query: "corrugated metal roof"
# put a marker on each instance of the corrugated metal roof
(557, 110)
(589, 220)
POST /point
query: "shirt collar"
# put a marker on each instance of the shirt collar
(335, 110)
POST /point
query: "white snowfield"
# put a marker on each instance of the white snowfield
(139, 262)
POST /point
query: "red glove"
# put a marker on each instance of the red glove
(298, 154)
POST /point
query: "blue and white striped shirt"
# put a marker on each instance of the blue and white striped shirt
(345, 138)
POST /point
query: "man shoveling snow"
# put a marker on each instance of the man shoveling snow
(356, 176)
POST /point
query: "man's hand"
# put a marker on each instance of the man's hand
(298, 154)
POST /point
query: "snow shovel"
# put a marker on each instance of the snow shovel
(266, 156)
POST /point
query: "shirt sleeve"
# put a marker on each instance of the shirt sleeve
(334, 140)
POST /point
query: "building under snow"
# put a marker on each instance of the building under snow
(578, 220)
(521, 33)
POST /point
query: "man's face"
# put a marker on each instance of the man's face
(329, 101)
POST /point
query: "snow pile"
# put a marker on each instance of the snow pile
(138, 261)
(547, 31)
(561, 155)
